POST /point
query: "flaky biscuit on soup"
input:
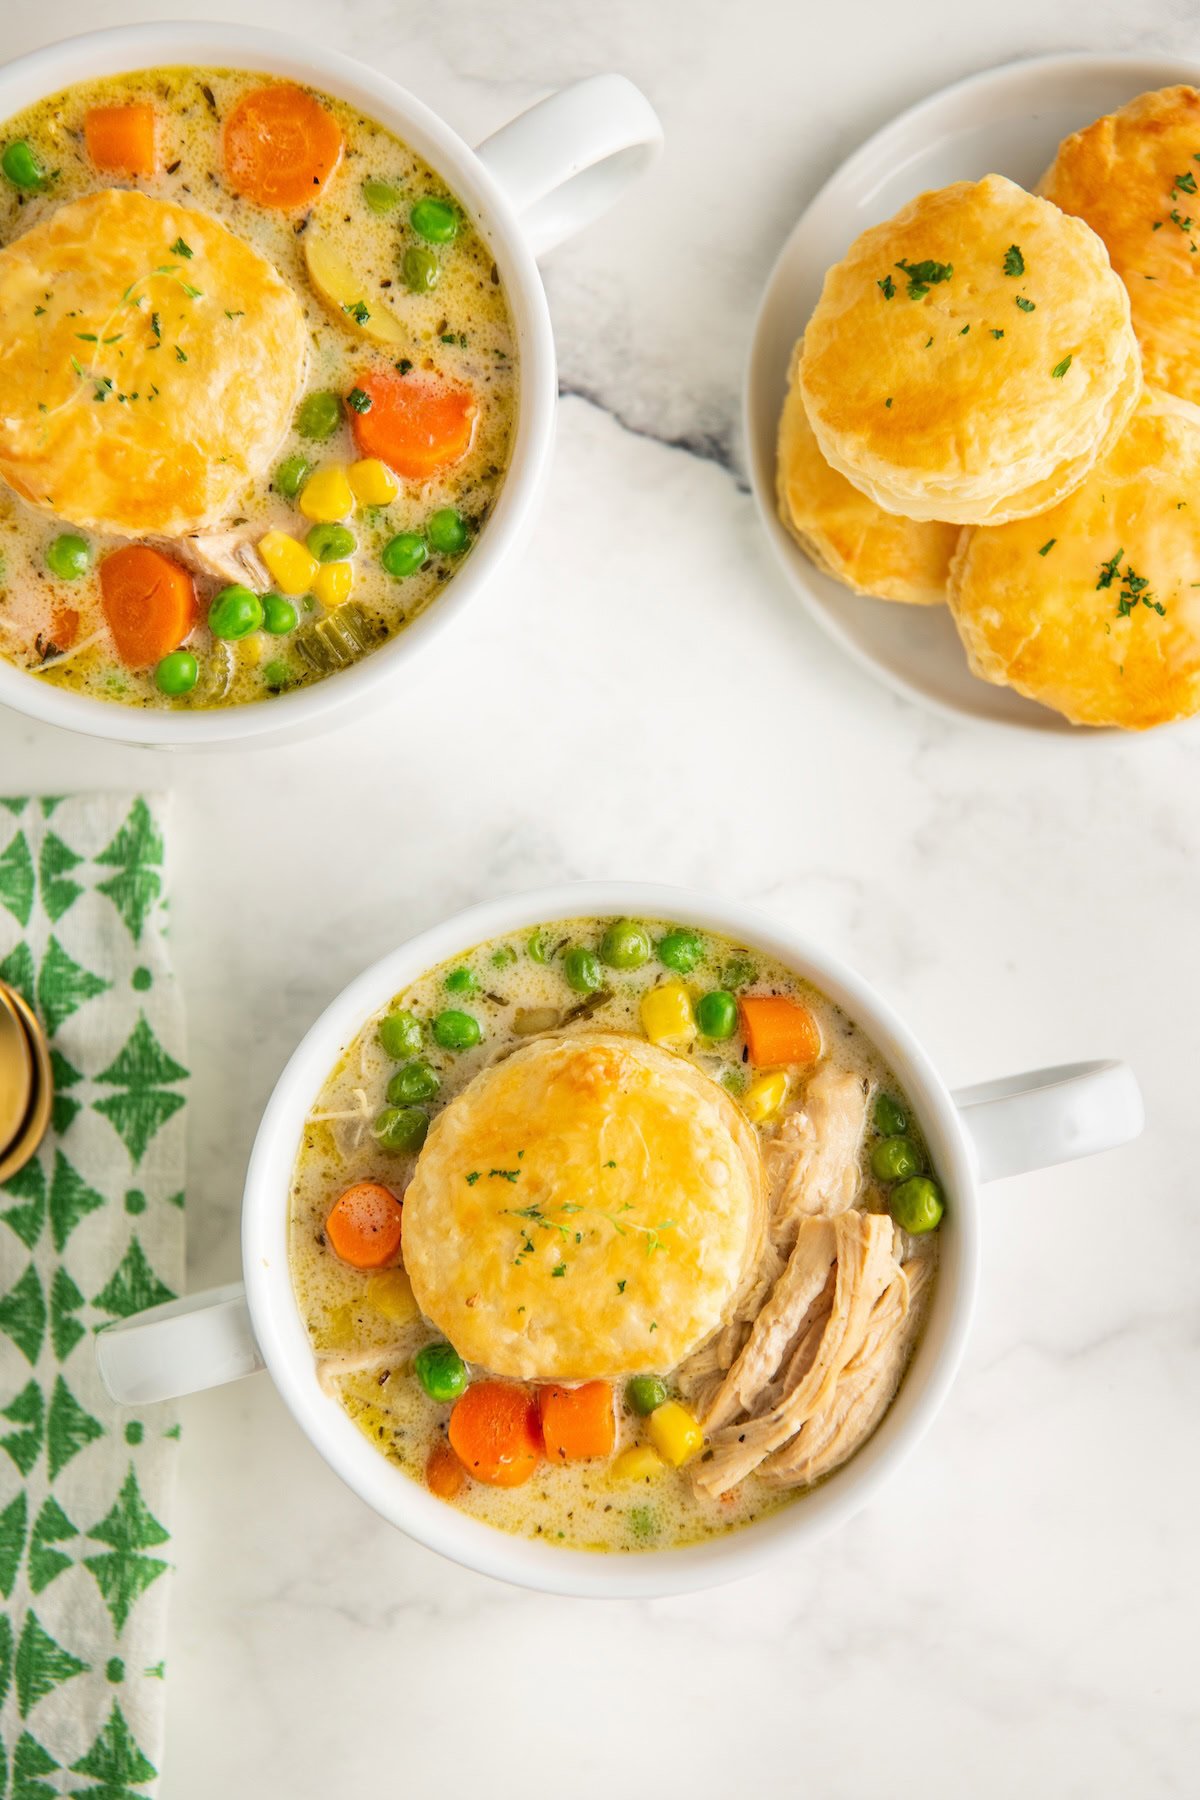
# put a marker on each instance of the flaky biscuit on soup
(1094, 607)
(589, 1206)
(1134, 176)
(970, 358)
(843, 532)
(142, 385)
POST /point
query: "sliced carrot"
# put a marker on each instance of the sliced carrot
(364, 1225)
(495, 1433)
(444, 1474)
(149, 602)
(577, 1422)
(415, 424)
(281, 146)
(122, 139)
(778, 1030)
(64, 626)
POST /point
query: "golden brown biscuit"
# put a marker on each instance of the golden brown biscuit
(587, 1207)
(970, 358)
(142, 388)
(1094, 608)
(845, 534)
(1134, 176)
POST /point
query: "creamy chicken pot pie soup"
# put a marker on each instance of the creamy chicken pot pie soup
(613, 1232)
(258, 387)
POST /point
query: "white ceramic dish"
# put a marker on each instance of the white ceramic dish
(1000, 1128)
(1007, 121)
(533, 183)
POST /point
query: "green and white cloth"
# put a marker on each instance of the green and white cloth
(92, 1231)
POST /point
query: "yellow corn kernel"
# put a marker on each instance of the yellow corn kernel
(667, 1014)
(389, 1291)
(327, 496)
(640, 1463)
(289, 564)
(249, 650)
(332, 583)
(337, 1332)
(674, 1433)
(372, 482)
(765, 1096)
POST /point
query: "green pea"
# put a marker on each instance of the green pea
(401, 1128)
(68, 557)
(279, 615)
(738, 972)
(448, 531)
(717, 1014)
(23, 166)
(400, 1034)
(420, 269)
(291, 476)
(625, 945)
(461, 981)
(644, 1393)
(331, 543)
(456, 1030)
(889, 1117)
(276, 676)
(381, 196)
(537, 948)
(177, 673)
(681, 951)
(435, 220)
(319, 414)
(582, 970)
(441, 1371)
(916, 1205)
(416, 1080)
(895, 1159)
(235, 612)
(503, 957)
(404, 554)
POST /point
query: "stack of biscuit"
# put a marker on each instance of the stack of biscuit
(995, 404)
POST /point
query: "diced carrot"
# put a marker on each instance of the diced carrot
(281, 146)
(149, 602)
(444, 1474)
(364, 1225)
(778, 1030)
(495, 1433)
(415, 424)
(64, 626)
(122, 139)
(577, 1422)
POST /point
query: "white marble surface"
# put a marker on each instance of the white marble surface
(642, 698)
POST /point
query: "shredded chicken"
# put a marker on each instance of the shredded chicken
(228, 556)
(866, 1265)
(813, 1159)
(773, 1334)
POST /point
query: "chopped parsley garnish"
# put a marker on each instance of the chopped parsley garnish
(86, 337)
(156, 324)
(360, 402)
(1109, 570)
(1060, 369)
(620, 1287)
(1185, 183)
(359, 311)
(472, 1178)
(996, 333)
(179, 248)
(193, 293)
(559, 1269)
(1024, 304)
(887, 402)
(610, 1165)
(887, 287)
(103, 388)
(1134, 589)
(180, 353)
(404, 365)
(1047, 547)
(924, 275)
(240, 313)
(964, 331)
(1014, 262)
(1157, 225)
(503, 1174)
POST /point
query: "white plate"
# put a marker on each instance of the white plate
(1006, 121)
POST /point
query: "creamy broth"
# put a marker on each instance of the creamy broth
(458, 332)
(365, 1327)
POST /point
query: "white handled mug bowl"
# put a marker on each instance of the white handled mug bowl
(534, 182)
(1001, 1128)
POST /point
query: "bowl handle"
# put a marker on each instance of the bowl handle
(1048, 1116)
(566, 160)
(179, 1348)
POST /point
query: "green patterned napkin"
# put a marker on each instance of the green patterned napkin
(93, 1232)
